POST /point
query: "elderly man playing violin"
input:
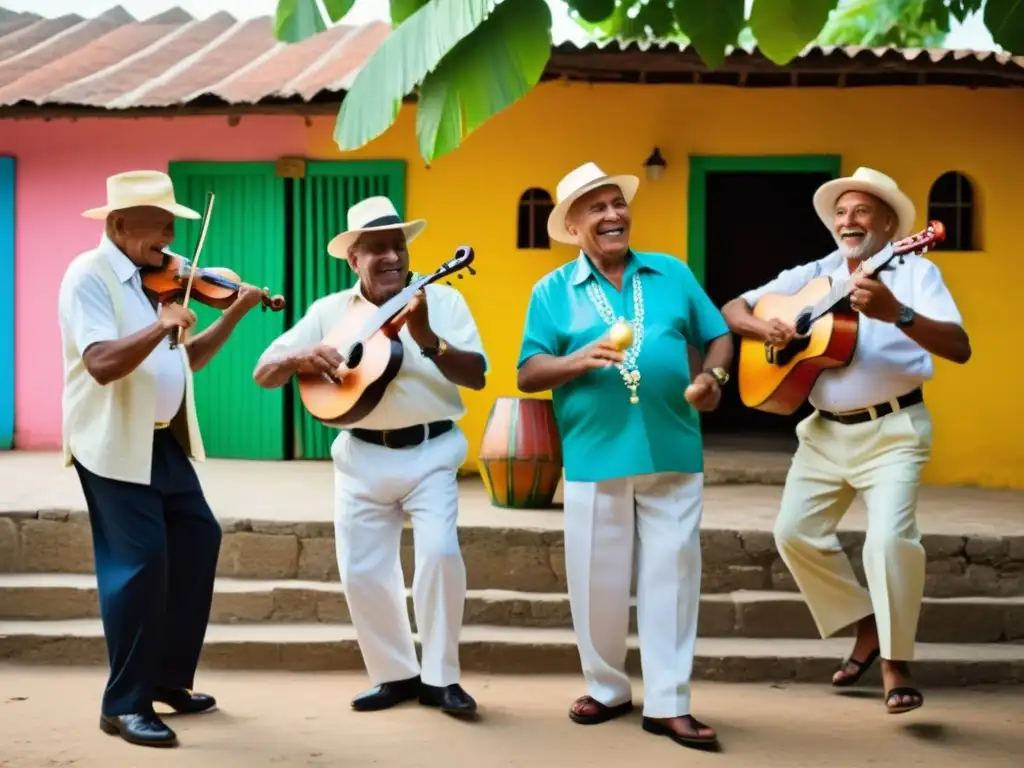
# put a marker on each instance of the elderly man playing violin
(130, 426)
(402, 457)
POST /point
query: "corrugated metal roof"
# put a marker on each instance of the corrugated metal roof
(836, 53)
(115, 62)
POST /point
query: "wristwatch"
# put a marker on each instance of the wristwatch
(906, 318)
(436, 351)
(721, 375)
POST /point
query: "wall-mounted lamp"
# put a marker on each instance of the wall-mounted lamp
(655, 165)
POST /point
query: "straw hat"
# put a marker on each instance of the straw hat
(874, 183)
(577, 183)
(374, 214)
(140, 188)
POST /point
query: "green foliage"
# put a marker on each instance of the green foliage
(903, 23)
(1005, 20)
(468, 60)
(296, 20)
(484, 74)
(403, 9)
(784, 27)
(711, 25)
(338, 9)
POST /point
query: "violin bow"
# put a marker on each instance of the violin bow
(203, 227)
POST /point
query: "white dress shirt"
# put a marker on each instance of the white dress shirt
(420, 393)
(886, 362)
(87, 313)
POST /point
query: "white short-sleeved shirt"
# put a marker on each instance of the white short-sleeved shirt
(420, 393)
(87, 315)
(886, 362)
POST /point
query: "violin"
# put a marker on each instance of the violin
(216, 287)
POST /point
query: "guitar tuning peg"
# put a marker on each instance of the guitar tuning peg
(460, 275)
(449, 282)
(471, 270)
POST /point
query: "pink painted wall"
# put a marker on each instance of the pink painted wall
(62, 168)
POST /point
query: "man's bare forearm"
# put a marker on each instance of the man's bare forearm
(542, 373)
(945, 340)
(108, 361)
(720, 352)
(741, 321)
(465, 369)
(276, 371)
(203, 347)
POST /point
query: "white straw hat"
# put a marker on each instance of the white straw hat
(577, 183)
(134, 189)
(874, 183)
(374, 214)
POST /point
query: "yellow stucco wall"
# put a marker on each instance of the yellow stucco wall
(913, 134)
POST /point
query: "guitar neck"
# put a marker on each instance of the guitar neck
(395, 304)
(843, 286)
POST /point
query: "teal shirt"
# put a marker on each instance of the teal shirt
(604, 436)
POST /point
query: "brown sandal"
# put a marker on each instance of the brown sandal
(604, 712)
(696, 741)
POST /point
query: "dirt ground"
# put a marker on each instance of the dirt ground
(48, 717)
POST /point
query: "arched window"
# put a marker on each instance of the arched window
(534, 207)
(951, 201)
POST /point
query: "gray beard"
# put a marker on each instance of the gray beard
(871, 245)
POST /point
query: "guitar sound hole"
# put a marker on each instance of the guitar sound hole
(354, 356)
(803, 323)
(787, 353)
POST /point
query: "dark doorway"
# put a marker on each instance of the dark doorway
(757, 224)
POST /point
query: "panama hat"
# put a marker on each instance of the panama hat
(135, 189)
(374, 214)
(577, 183)
(874, 183)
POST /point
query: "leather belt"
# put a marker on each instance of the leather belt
(876, 411)
(405, 437)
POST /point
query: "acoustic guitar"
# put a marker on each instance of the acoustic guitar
(779, 380)
(367, 340)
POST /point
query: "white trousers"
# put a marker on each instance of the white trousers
(375, 487)
(882, 459)
(662, 513)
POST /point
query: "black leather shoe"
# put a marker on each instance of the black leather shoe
(387, 695)
(184, 701)
(450, 699)
(145, 730)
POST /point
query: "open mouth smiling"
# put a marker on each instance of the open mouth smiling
(611, 231)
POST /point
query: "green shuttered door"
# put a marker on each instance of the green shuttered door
(319, 204)
(239, 420)
(249, 233)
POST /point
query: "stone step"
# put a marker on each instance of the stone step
(514, 650)
(528, 557)
(750, 614)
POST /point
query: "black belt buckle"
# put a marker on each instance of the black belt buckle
(881, 409)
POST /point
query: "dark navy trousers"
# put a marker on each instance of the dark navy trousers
(156, 549)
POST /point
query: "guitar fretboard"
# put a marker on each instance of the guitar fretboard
(841, 287)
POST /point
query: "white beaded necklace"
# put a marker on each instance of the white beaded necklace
(628, 367)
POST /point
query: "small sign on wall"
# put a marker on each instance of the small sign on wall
(291, 167)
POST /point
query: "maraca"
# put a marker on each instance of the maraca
(621, 335)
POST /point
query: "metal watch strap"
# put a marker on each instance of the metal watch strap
(719, 374)
(435, 351)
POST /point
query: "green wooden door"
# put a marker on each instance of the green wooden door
(320, 203)
(239, 420)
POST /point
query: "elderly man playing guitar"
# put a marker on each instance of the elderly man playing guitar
(871, 431)
(401, 457)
